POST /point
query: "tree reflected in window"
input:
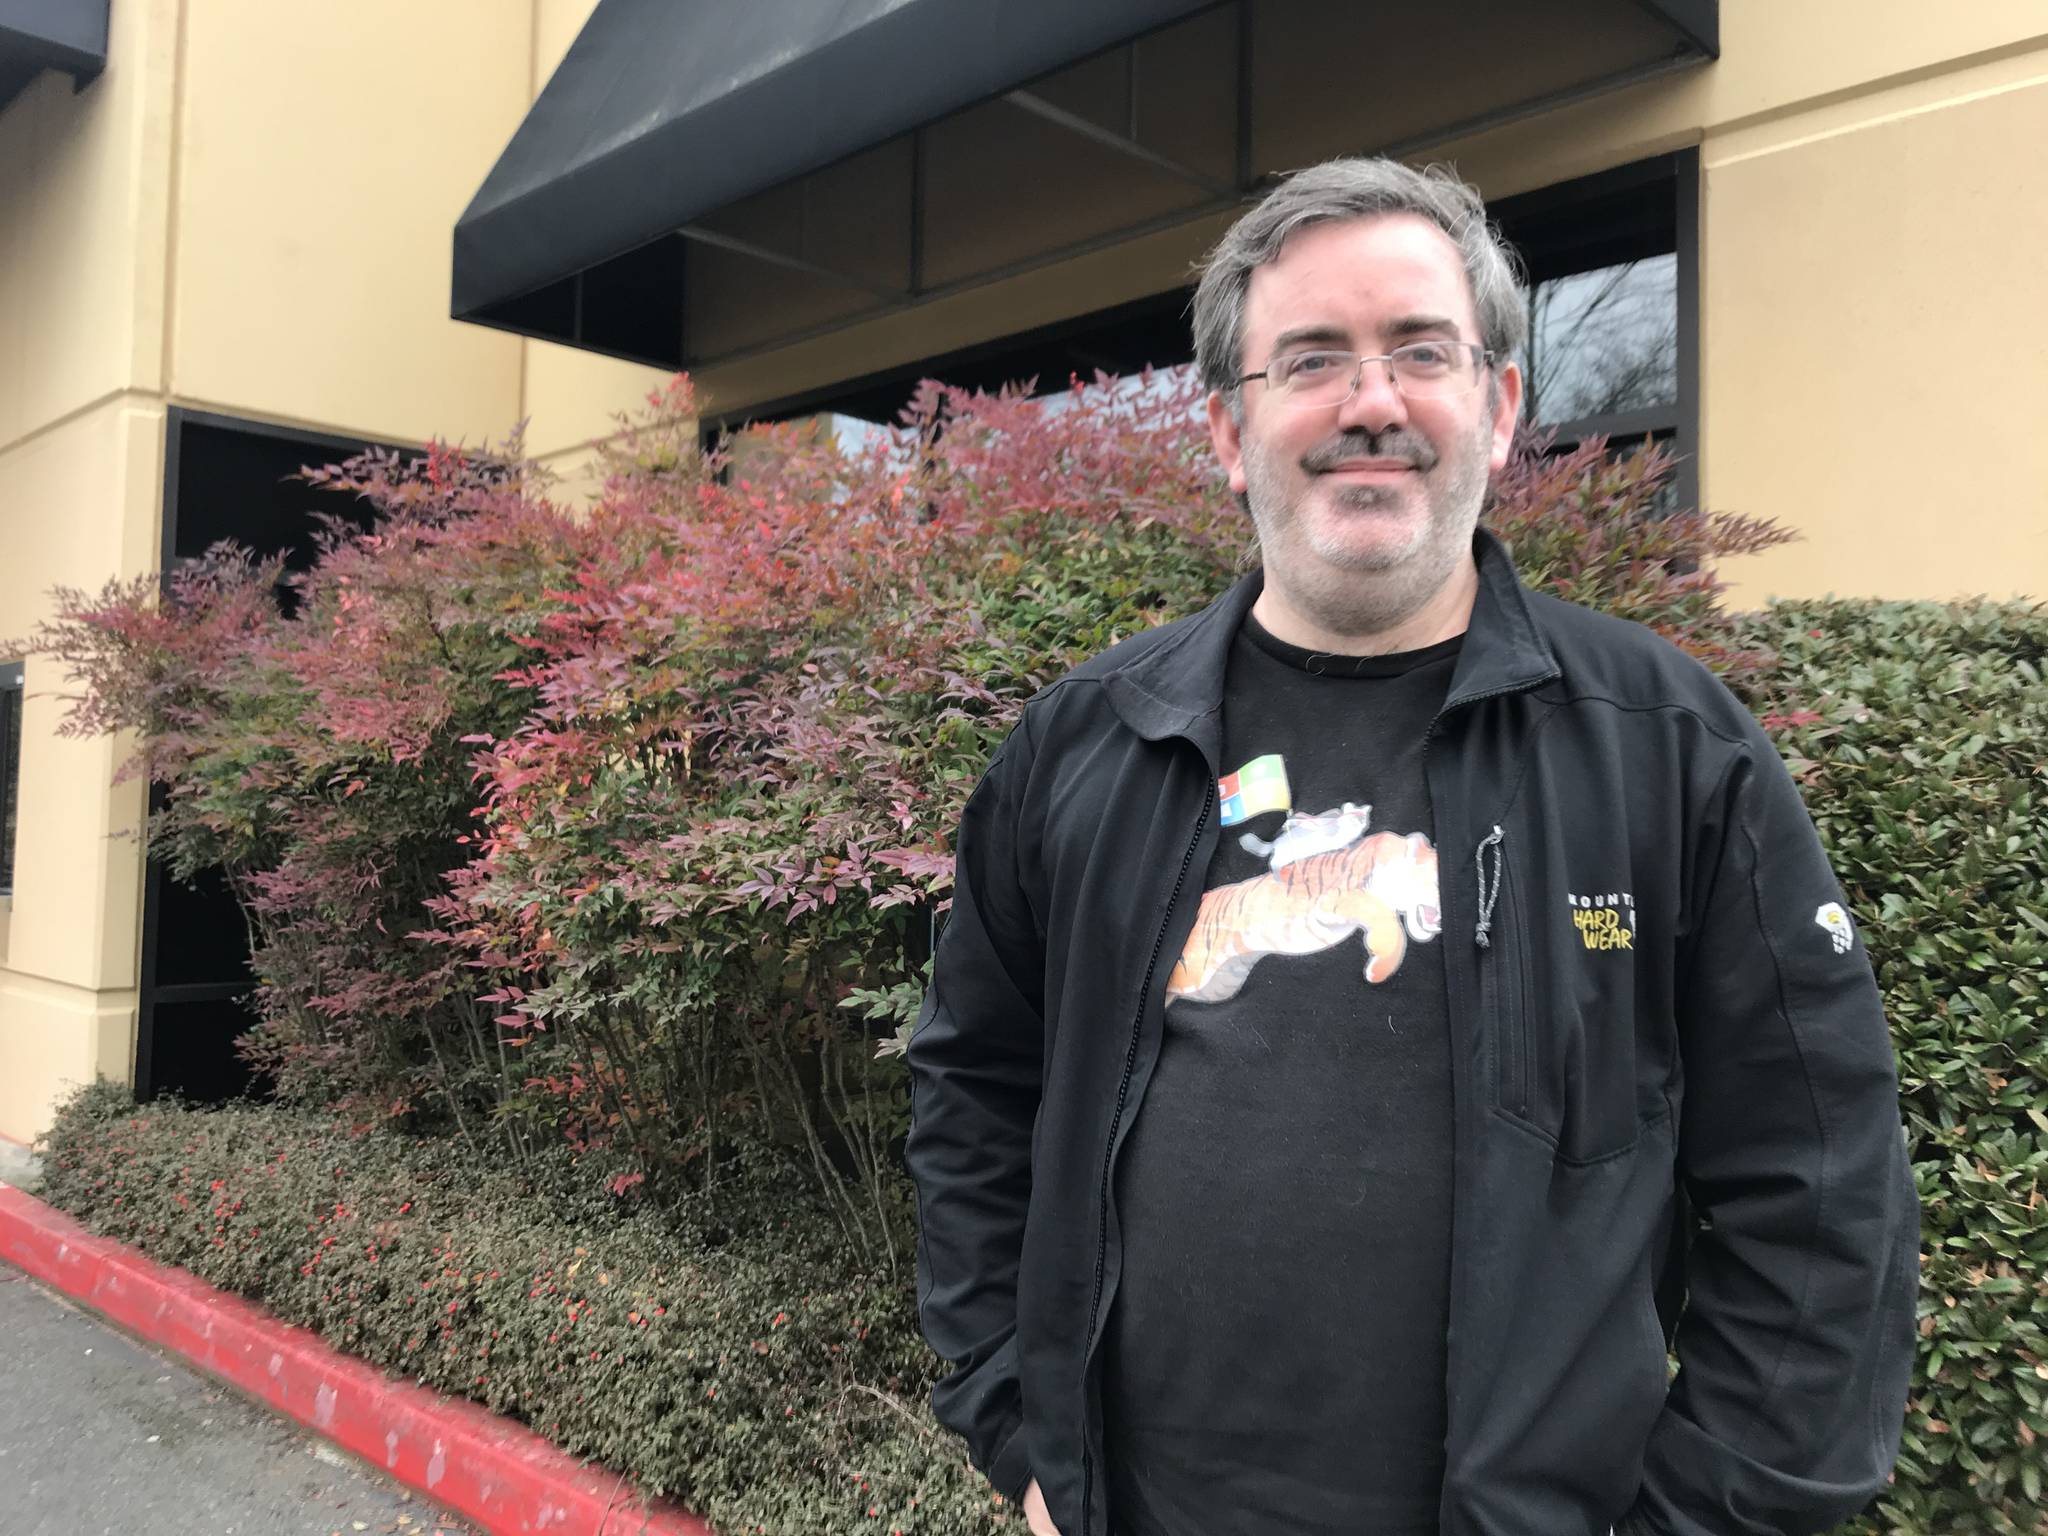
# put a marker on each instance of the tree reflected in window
(1603, 342)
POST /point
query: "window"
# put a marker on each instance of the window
(1613, 309)
(1612, 262)
(1603, 343)
(224, 478)
(10, 769)
(1124, 340)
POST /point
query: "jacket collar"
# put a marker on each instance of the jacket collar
(1175, 688)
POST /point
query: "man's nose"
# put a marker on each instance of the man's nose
(1375, 405)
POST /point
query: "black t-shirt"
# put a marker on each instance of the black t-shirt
(1275, 1355)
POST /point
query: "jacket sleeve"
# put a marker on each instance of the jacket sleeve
(976, 1069)
(1796, 1345)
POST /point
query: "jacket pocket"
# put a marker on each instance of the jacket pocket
(1558, 1014)
(1504, 998)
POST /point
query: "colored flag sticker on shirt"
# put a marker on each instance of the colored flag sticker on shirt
(1256, 788)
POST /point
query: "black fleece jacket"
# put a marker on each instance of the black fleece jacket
(1676, 1126)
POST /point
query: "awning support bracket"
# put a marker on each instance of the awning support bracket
(1038, 106)
(740, 247)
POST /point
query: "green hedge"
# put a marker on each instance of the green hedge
(1926, 770)
(746, 1372)
(743, 1366)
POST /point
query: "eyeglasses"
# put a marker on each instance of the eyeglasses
(1420, 370)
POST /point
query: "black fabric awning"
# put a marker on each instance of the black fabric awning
(36, 35)
(702, 180)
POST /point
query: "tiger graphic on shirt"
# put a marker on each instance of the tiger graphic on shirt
(1383, 886)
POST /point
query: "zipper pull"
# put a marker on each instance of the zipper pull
(1482, 935)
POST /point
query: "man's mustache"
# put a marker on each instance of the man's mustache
(1347, 446)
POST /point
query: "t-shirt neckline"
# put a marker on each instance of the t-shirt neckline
(1328, 664)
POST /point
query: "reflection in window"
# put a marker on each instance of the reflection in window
(854, 434)
(1164, 383)
(1603, 342)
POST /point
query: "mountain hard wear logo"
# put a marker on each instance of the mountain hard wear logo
(1836, 922)
(1604, 920)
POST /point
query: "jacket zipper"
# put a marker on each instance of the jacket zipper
(1123, 1090)
(1513, 1025)
(1491, 971)
(1461, 1089)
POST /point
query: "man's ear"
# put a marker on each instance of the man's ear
(1507, 407)
(1228, 438)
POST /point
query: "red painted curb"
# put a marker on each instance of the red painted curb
(487, 1468)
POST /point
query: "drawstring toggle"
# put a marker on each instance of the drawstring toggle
(1482, 935)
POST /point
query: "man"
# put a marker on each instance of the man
(1371, 1006)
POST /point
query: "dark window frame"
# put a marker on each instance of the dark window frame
(323, 448)
(13, 695)
(151, 1075)
(1676, 425)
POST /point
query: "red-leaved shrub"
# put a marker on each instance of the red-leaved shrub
(622, 824)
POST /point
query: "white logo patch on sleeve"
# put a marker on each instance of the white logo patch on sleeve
(1839, 928)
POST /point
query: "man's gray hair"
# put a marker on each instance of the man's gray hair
(1355, 188)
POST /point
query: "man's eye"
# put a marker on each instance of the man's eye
(1426, 354)
(1309, 363)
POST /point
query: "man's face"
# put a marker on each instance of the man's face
(1363, 510)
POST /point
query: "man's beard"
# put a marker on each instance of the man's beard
(1364, 591)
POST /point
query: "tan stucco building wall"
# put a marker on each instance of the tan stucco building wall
(238, 216)
(241, 218)
(1873, 191)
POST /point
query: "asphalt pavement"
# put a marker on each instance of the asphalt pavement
(103, 1436)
